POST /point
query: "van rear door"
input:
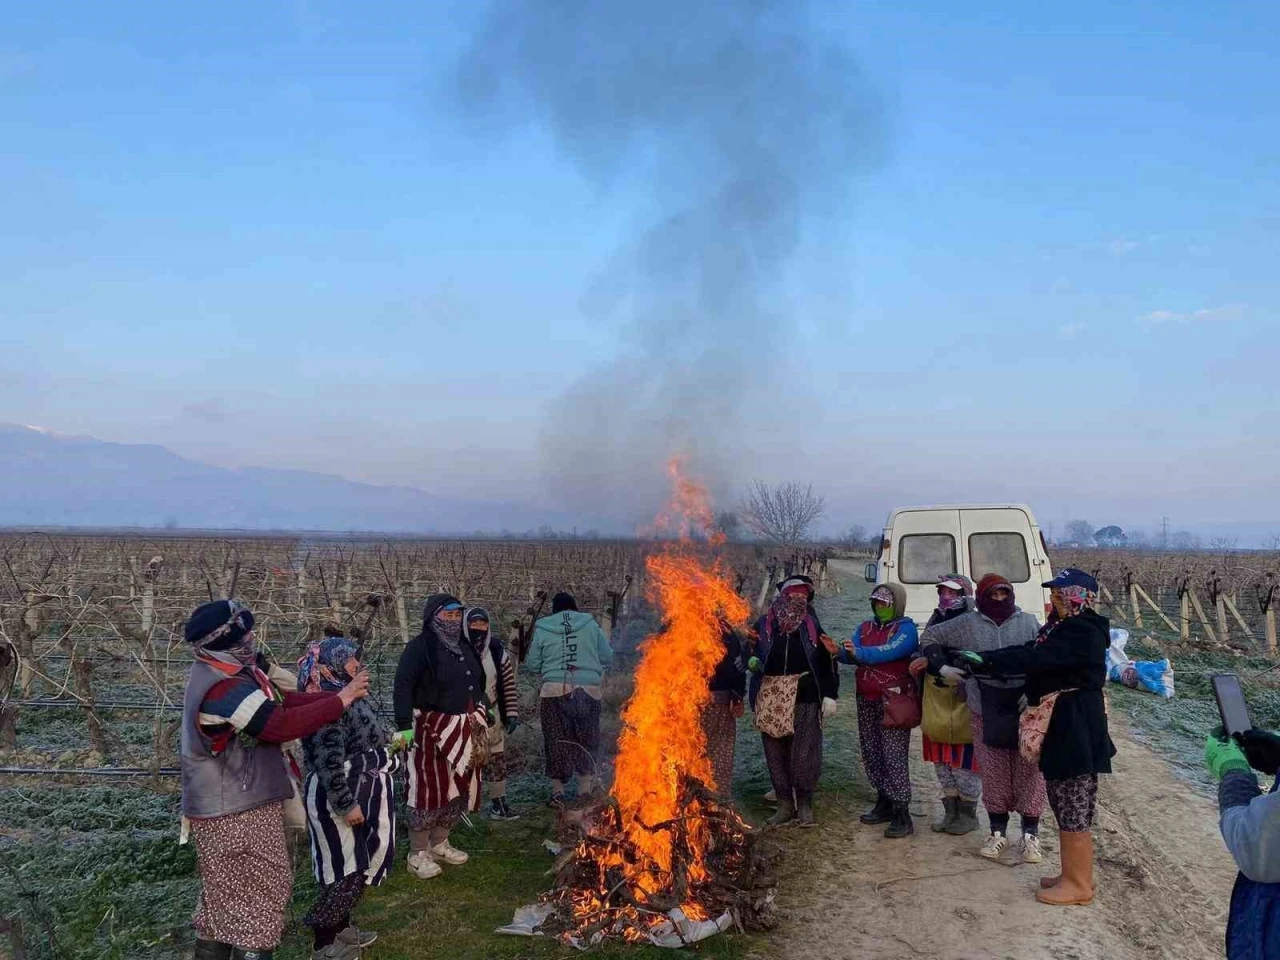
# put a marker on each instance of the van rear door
(1001, 540)
(926, 544)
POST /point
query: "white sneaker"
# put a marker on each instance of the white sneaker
(423, 866)
(450, 854)
(994, 846)
(1031, 848)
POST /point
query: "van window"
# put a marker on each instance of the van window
(1002, 553)
(924, 557)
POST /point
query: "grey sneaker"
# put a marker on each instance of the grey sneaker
(361, 938)
(337, 951)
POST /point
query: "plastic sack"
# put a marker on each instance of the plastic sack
(675, 932)
(1154, 676)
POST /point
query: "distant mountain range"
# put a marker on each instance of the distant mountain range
(47, 480)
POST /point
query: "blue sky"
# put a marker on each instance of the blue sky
(265, 234)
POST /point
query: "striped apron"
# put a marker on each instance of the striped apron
(339, 849)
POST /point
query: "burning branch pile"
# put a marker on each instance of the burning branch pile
(665, 859)
(722, 874)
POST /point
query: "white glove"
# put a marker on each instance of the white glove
(829, 707)
(952, 673)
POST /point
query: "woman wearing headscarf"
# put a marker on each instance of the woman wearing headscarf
(570, 652)
(442, 713)
(1010, 784)
(504, 706)
(883, 648)
(235, 783)
(793, 686)
(955, 762)
(1068, 662)
(349, 797)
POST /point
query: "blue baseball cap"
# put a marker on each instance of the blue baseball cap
(1071, 577)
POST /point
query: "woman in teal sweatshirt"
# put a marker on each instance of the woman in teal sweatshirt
(570, 652)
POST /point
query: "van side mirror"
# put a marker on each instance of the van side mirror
(870, 572)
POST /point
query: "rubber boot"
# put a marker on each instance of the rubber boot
(966, 820)
(786, 813)
(804, 809)
(900, 825)
(949, 811)
(882, 812)
(211, 950)
(1075, 888)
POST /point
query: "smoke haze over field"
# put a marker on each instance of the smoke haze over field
(745, 129)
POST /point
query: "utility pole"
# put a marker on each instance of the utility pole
(1164, 533)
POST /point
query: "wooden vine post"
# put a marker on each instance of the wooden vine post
(1133, 599)
(1219, 601)
(1184, 610)
(1266, 596)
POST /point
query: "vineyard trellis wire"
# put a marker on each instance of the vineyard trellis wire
(91, 626)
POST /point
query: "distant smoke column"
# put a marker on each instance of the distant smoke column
(745, 126)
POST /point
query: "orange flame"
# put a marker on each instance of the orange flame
(662, 739)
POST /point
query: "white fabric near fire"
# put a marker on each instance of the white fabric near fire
(678, 931)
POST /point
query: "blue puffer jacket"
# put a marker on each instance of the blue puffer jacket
(1251, 829)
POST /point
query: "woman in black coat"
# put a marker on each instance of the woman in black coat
(442, 715)
(1068, 660)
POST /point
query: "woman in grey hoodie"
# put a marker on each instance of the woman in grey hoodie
(1009, 783)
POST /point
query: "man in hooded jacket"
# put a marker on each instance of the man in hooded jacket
(570, 652)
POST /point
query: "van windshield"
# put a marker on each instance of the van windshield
(925, 557)
(1002, 553)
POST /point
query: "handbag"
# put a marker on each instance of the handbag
(776, 705)
(1034, 724)
(902, 705)
(945, 714)
(901, 698)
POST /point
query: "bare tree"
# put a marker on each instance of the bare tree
(1185, 540)
(856, 537)
(1080, 533)
(783, 514)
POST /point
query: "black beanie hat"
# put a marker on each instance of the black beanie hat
(563, 601)
(212, 617)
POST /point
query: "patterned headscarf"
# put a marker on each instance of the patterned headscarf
(1074, 599)
(223, 626)
(946, 603)
(324, 666)
(449, 632)
(789, 609)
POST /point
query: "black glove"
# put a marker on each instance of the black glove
(1262, 750)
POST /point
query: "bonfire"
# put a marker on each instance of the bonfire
(665, 858)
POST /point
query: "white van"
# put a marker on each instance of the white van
(921, 544)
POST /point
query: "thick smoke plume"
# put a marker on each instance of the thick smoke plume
(743, 127)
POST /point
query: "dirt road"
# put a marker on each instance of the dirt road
(1164, 880)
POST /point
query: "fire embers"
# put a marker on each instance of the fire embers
(722, 874)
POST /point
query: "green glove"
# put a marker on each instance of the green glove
(970, 657)
(754, 664)
(402, 740)
(1222, 755)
